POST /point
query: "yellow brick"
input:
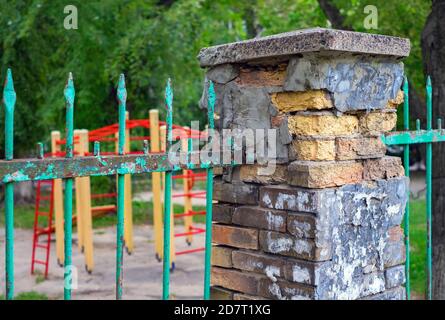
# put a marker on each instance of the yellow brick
(301, 101)
(378, 122)
(323, 125)
(270, 174)
(394, 103)
(324, 174)
(314, 149)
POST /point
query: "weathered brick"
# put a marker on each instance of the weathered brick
(301, 225)
(306, 272)
(383, 168)
(395, 276)
(278, 120)
(218, 293)
(287, 245)
(262, 77)
(326, 125)
(235, 236)
(218, 171)
(274, 174)
(222, 256)
(284, 197)
(235, 280)
(261, 218)
(284, 290)
(359, 148)
(316, 150)
(242, 296)
(394, 253)
(394, 103)
(271, 266)
(324, 174)
(301, 101)
(377, 122)
(395, 233)
(392, 294)
(222, 212)
(236, 192)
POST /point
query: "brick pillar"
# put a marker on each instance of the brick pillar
(326, 223)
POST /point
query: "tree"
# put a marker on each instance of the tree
(433, 50)
(351, 18)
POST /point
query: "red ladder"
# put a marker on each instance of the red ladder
(45, 230)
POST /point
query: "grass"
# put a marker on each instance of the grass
(417, 234)
(142, 214)
(30, 295)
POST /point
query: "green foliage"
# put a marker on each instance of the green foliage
(149, 42)
(418, 238)
(396, 18)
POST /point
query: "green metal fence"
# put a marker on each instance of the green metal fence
(418, 136)
(19, 170)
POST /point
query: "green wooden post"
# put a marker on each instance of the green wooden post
(122, 98)
(9, 100)
(209, 197)
(406, 165)
(429, 152)
(69, 94)
(167, 195)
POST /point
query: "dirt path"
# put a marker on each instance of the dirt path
(142, 272)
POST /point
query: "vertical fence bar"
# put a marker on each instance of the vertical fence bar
(407, 173)
(167, 196)
(429, 151)
(122, 98)
(68, 199)
(9, 100)
(209, 196)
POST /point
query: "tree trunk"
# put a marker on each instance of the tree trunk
(333, 15)
(433, 51)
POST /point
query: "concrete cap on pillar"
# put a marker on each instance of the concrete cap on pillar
(304, 41)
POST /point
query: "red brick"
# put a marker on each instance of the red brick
(383, 168)
(301, 225)
(235, 280)
(287, 245)
(260, 218)
(284, 290)
(222, 212)
(222, 256)
(217, 293)
(256, 262)
(235, 237)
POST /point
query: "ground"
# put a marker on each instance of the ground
(142, 272)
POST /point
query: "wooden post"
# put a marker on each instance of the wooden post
(85, 205)
(128, 213)
(58, 204)
(187, 198)
(163, 134)
(77, 151)
(156, 184)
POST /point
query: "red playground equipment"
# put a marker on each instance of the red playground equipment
(85, 212)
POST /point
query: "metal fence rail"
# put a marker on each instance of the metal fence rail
(69, 167)
(418, 136)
